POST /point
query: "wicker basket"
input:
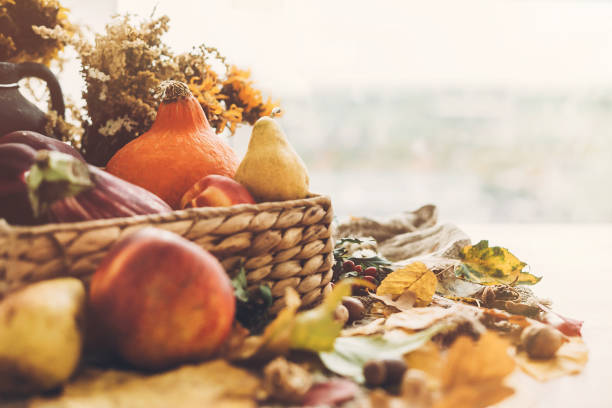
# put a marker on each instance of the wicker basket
(282, 244)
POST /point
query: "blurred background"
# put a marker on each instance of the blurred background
(494, 110)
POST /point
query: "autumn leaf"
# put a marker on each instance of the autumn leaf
(214, 383)
(571, 358)
(405, 301)
(473, 372)
(427, 359)
(415, 277)
(566, 325)
(315, 329)
(418, 318)
(351, 353)
(492, 265)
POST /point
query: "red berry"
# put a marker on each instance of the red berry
(371, 271)
(358, 269)
(348, 266)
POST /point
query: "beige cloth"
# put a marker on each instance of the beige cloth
(408, 235)
(416, 236)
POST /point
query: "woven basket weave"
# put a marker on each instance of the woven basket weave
(282, 244)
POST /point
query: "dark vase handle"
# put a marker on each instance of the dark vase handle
(33, 69)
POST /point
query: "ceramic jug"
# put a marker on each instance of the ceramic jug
(16, 112)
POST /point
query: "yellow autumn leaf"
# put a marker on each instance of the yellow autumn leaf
(416, 278)
(473, 373)
(493, 265)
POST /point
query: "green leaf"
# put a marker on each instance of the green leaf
(240, 286)
(350, 354)
(266, 294)
(492, 265)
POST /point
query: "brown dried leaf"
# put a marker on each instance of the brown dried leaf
(571, 358)
(214, 383)
(474, 372)
(418, 318)
(235, 341)
(373, 327)
(404, 302)
(416, 278)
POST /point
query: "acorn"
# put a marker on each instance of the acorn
(384, 372)
(355, 308)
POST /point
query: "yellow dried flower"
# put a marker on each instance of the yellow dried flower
(33, 30)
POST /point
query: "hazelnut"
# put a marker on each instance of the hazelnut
(355, 308)
(384, 372)
(541, 341)
(375, 373)
(395, 370)
(341, 314)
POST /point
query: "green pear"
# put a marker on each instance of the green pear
(40, 335)
(271, 169)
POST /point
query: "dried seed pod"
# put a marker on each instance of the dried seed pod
(488, 295)
(355, 308)
(541, 341)
(375, 373)
(341, 314)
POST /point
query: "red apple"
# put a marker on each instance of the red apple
(216, 191)
(161, 300)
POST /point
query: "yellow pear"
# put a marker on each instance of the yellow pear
(271, 169)
(40, 335)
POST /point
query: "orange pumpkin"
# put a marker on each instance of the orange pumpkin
(180, 148)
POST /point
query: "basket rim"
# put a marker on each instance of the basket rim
(177, 215)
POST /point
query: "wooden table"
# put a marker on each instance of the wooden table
(576, 263)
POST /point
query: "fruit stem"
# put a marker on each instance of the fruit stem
(55, 176)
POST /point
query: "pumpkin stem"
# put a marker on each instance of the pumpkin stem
(172, 91)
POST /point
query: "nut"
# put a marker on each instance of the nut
(341, 314)
(375, 373)
(355, 308)
(395, 370)
(384, 372)
(541, 341)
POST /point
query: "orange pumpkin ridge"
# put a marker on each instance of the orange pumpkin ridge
(178, 150)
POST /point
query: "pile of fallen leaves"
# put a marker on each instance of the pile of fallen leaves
(452, 334)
